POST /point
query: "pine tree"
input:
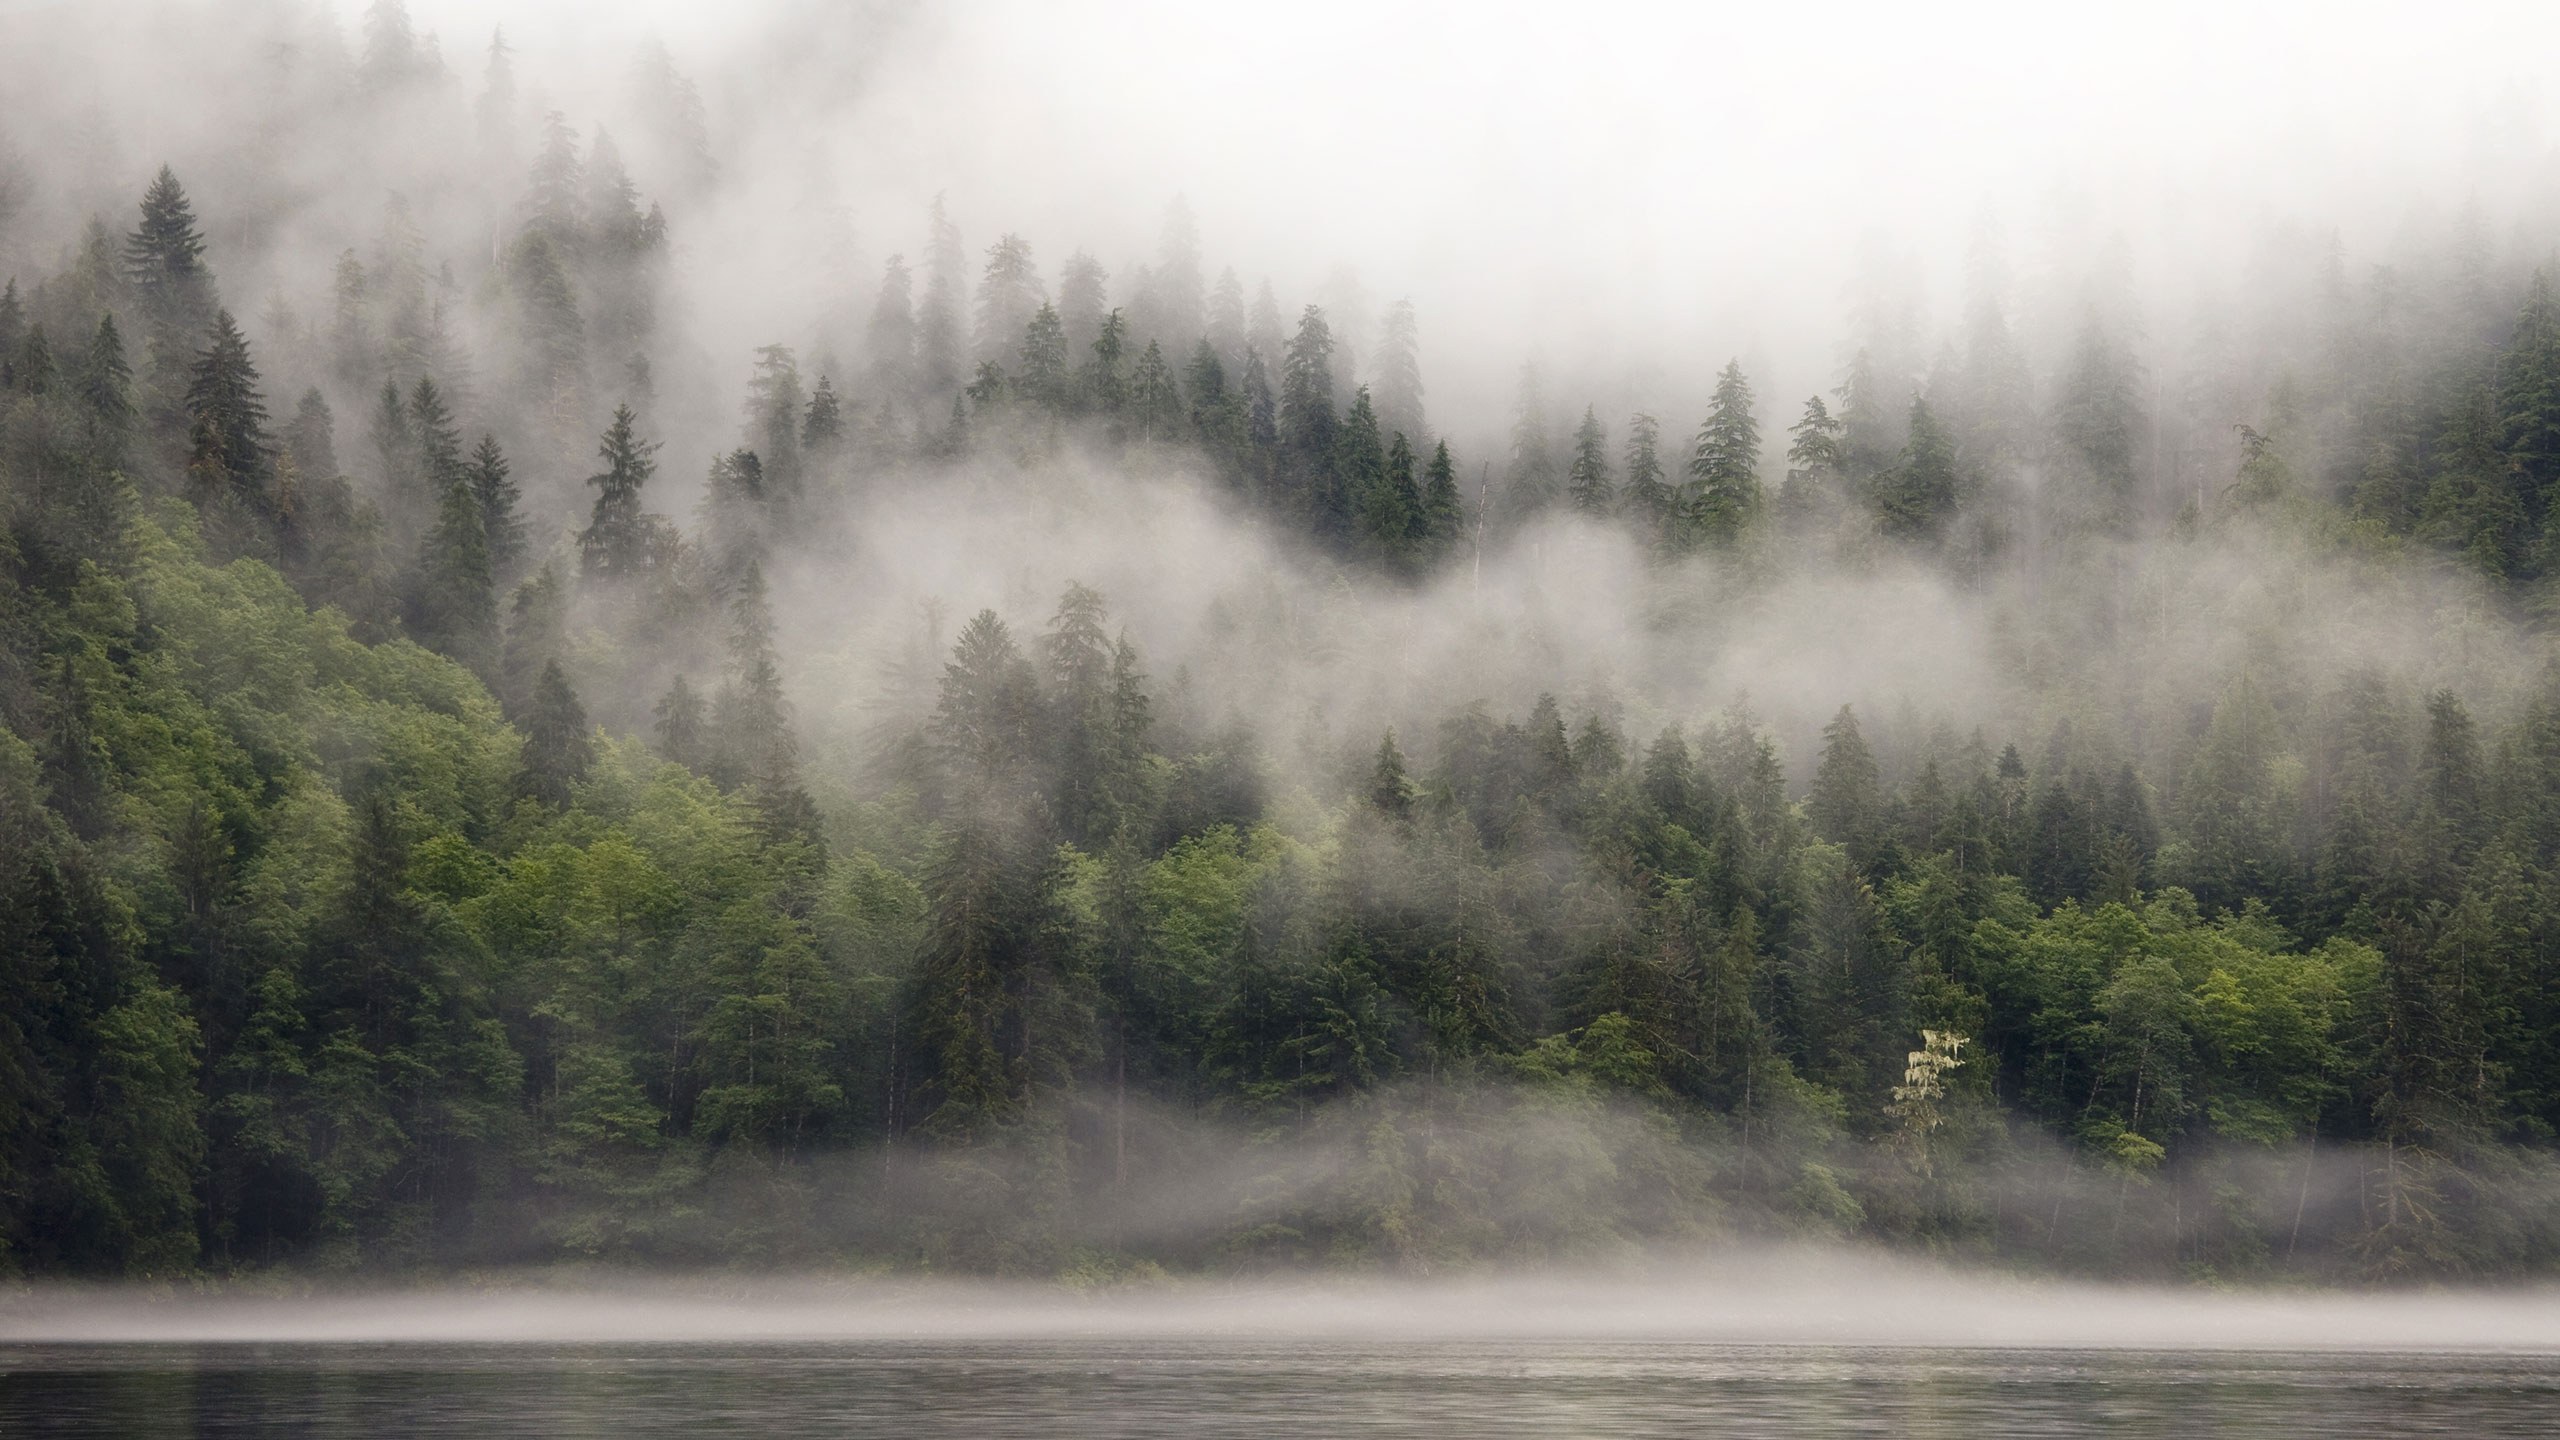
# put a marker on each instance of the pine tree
(615, 545)
(1397, 519)
(436, 443)
(104, 385)
(551, 334)
(1590, 489)
(2528, 404)
(558, 747)
(2096, 424)
(774, 404)
(555, 192)
(1724, 468)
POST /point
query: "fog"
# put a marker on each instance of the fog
(1753, 1298)
(2282, 249)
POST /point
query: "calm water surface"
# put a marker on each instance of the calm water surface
(1245, 1387)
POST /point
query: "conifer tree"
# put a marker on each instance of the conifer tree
(436, 449)
(1307, 426)
(941, 348)
(1399, 370)
(13, 332)
(1846, 804)
(494, 491)
(1390, 792)
(1009, 293)
(1155, 399)
(1530, 487)
(1041, 378)
(1100, 386)
(1442, 511)
(230, 468)
(822, 424)
(1724, 468)
(1359, 468)
(2528, 404)
(680, 725)
(104, 385)
(890, 338)
(1082, 300)
(558, 747)
(1589, 486)
(164, 265)
(1814, 463)
(455, 609)
(1648, 501)
(1396, 518)
(615, 545)
(1915, 500)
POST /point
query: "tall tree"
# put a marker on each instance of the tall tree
(616, 544)
(1589, 486)
(1723, 495)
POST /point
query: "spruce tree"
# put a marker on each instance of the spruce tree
(1814, 464)
(164, 265)
(230, 468)
(1009, 293)
(1724, 468)
(1588, 483)
(1360, 469)
(1041, 377)
(1916, 499)
(1390, 792)
(615, 545)
(1649, 503)
(495, 492)
(455, 608)
(889, 340)
(1399, 370)
(822, 424)
(1442, 511)
(941, 349)
(1155, 399)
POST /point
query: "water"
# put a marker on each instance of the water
(1153, 1386)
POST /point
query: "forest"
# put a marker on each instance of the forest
(459, 807)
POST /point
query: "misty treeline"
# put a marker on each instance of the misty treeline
(413, 853)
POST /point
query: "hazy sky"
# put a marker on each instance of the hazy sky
(1655, 177)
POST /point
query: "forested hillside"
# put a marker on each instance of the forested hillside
(454, 813)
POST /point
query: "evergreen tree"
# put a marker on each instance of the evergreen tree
(1042, 376)
(1308, 426)
(495, 493)
(455, 608)
(890, 339)
(1650, 503)
(1814, 466)
(164, 265)
(558, 747)
(1442, 511)
(1399, 370)
(615, 546)
(1530, 487)
(1846, 805)
(1917, 498)
(1009, 294)
(680, 725)
(230, 467)
(1389, 791)
(941, 350)
(1155, 399)
(1591, 491)
(822, 424)
(1723, 494)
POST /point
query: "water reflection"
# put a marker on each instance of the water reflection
(1145, 1389)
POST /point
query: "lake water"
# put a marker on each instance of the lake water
(1157, 1386)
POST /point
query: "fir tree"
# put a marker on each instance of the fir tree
(822, 424)
(1307, 425)
(1155, 400)
(1389, 791)
(680, 717)
(1009, 293)
(1916, 499)
(1442, 511)
(1398, 364)
(1042, 376)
